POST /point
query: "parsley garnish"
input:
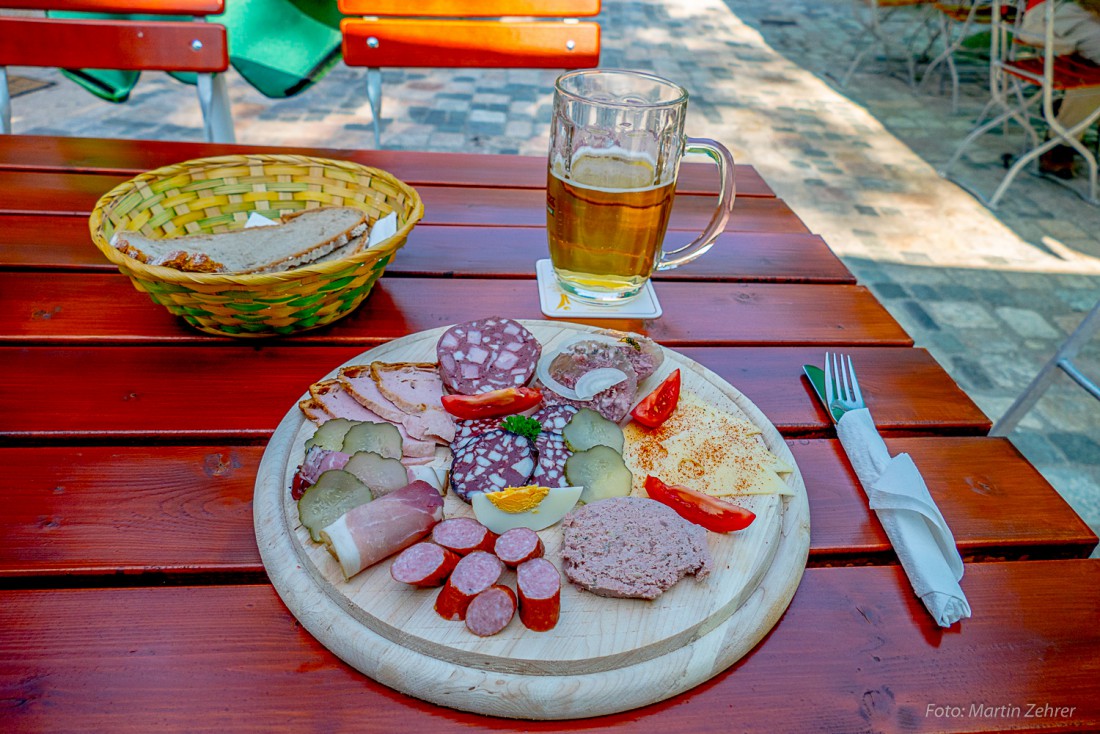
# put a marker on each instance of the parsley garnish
(521, 425)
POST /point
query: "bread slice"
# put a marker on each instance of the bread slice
(301, 238)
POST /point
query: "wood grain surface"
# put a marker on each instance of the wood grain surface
(41, 241)
(113, 44)
(855, 642)
(163, 394)
(127, 158)
(76, 194)
(186, 511)
(68, 308)
(631, 653)
(134, 444)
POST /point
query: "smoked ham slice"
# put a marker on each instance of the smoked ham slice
(376, 530)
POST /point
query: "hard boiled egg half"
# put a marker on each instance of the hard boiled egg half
(530, 506)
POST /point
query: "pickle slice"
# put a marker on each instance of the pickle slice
(601, 471)
(381, 438)
(331, 433)
(588, 428)
(335, 492)
(382, 475)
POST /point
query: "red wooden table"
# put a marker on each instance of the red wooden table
(132, 595)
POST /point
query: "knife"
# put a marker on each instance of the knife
(816, 376)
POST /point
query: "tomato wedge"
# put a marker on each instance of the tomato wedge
(491, 404)
(701, 509)
(656, 407)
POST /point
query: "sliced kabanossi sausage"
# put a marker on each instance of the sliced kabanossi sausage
(463, 535)
(487, 354)
(491, 610)
(424, 564)
(539, 587)
(518, 545)
(474, 574)
(496, 460)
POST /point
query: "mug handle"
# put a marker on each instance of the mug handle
(726, 195)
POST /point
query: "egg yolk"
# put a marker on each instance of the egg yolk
(518, 499)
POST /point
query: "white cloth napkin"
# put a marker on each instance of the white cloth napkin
(917, 530)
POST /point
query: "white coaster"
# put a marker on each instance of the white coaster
(557, 303)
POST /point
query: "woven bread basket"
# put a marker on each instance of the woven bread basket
(210, 195)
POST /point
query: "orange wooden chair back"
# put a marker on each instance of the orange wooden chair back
(448, 33)
(133, 45)
(496, 34)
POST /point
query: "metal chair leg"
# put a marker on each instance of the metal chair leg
(374, 95)
(5, 102)
(1063, 360)
(217, 114)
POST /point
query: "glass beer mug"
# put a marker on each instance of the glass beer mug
(615, 146)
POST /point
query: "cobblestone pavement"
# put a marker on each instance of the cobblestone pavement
(990, 294)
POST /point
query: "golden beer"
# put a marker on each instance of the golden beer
(605, 224)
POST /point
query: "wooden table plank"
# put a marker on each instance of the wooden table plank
(76, 194)
(158, 659)
(186, 511)
(239, 392)
(128, 158)
(75, 307)
(44, 241)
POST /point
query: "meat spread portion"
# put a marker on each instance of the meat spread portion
(631, 547)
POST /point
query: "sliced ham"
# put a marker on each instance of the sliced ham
(359, 382)
(422, 414)
(338, 403)
(313, 410)
(431, 425)
(376, 530)
(411, 386)
(334, 399)
(417, 390)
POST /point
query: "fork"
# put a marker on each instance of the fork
(842, 391)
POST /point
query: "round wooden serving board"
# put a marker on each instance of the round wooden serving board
(605, 655)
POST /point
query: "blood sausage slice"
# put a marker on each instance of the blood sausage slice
(474, 574)
(539, 587)
(496, 460)
(554, 418)
(463, 535)
(518, 545)
(491, 610)
(553, 453)
(424, 564)
(467, 430)
(487, 354)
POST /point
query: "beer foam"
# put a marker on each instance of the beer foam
(612, 170)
